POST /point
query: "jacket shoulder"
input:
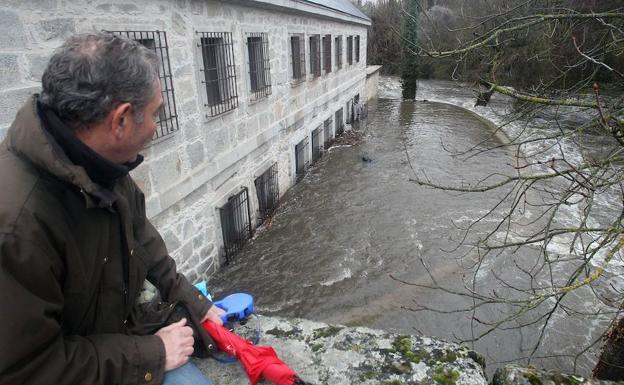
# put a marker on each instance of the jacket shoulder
(19, 180)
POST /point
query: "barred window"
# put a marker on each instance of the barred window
(259, 66)
(235, 224)
(339, 122)
(219, 71)
(357, 49)
(297, 54)
(157, 42)
(316, 144)
(338, 44)
(315, 55)
(350, 50)
(301, 158)
(327, 54)
(267, 190)
(327, 133)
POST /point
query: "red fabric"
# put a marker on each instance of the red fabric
(258, 361)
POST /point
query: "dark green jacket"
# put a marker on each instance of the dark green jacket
(65, 317)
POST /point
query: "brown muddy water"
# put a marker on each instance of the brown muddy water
(343, 232)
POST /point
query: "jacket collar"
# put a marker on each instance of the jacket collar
(27, 139)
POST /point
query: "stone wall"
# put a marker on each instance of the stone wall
(189, 174)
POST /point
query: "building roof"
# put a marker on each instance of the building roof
(338, 9)
(344, 6)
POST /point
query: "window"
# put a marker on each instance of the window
(301, 158)
(259, 67)
(327, 133)
(338, 45)
(219, 72)
(339, 122)
(350, 50)
(297, 55)
(357, 49)
(316, 144)
(327, 53)
(235, 224)
(267, 190)
(315, 55)
(157, 42)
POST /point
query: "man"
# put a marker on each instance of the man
(75, 245)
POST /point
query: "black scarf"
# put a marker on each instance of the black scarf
(100, 170)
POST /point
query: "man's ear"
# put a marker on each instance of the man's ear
(121, 118)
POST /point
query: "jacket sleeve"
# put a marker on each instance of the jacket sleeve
(33, 347)
(162, 272)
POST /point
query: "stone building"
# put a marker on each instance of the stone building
(254, 90)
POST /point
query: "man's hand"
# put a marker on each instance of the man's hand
(178, 341)
(213, 314)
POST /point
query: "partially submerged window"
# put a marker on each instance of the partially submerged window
(338, 44)
(327, 60)
(350, 50)
(219, 71)
(316, 144)
(297, 56)
(267, 189)
(301, 158)
(357, 49)
(157, 42)
(315, 55)
(235, 224)
(339, 122)
(327, 133)
(259, 67)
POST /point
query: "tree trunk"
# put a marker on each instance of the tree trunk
(610, 365)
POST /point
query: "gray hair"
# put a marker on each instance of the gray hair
(89, 74)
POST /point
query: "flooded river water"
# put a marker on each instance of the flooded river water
(350, 226)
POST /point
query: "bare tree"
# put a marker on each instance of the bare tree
(562, 64)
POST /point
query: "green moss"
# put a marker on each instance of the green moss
(533, 378)
(329, 331)
(445, 375)
(393, 382)
(316, 347)
(368, 375)
(450, 356)
(403, 345)
(282, 333)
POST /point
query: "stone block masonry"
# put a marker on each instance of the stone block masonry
(190, 173)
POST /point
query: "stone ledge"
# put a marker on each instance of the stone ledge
(517, 375)
(339, 355)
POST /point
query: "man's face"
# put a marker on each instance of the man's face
(142, 133)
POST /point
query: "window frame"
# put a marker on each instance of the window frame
(226, 91)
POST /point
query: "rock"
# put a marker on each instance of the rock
(517, 375)
(338, 355)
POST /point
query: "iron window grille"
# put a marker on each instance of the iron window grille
(350, 50)
(315, 55)
(327, 61)
(339, 122)
(267, 189)
(259, 65)
(316, 144)
(301, 158)
(327, 133)
(350, 112)
(297, 54)
(338, 44)
(157, 42)
(235, 224)
(356, 108)
(219, 71)
(357, 49)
